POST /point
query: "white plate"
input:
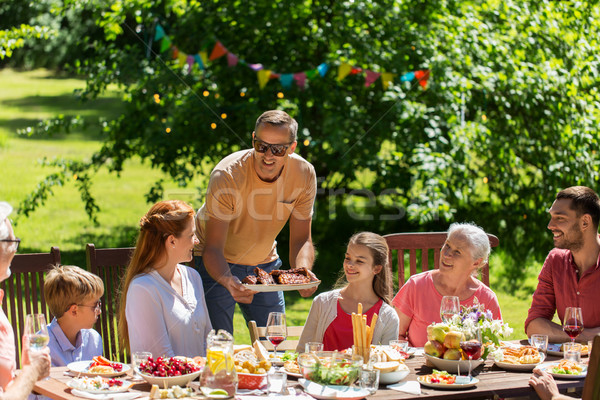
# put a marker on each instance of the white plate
(518, 367)
(293, 374)
(73, 384)
(554, 350)
(453, 386)
(452, 366)
(326, 392)
(81, 368)
(282, 288)
(548, 367)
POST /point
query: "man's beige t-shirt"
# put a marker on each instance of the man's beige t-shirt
(256, 210)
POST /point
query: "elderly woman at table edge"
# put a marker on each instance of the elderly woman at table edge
(465, 251)
(366, 272)
(163, 310)
(36, 364)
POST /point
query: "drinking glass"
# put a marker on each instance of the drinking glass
(312, 347)
(136, 360)
(399, 344)
(572, 351)
(276, 329)
(369, 380)
(450, 306)
(540, 342)
(573, 323)
(471, 345)
(277, 382)
(36, 331)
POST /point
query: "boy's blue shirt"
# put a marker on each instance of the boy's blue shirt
(62, 352)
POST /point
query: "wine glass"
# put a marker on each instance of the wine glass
(36, 331)
(450, 306)
(573, 323)
(471, 345)
(276, 329)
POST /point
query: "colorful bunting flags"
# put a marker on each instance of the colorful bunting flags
(371, 77)
(263, 77)
(343, 70)
(232, 59)
(159, 33)
(386, 78)
(286, 79)
(218, 51)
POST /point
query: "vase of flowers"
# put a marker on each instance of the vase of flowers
(471, 318)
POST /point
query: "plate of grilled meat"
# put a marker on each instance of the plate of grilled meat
(281, 279)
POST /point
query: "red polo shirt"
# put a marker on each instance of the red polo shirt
(558, 288)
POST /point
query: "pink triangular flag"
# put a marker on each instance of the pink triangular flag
(371, 77)
(232, 59)
(300, 79)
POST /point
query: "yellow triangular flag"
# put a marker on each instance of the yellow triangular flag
(386, 78)
(204, 57)
(182, 57)
(263, 77)
(343, 71)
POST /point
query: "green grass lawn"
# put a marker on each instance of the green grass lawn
(27, 97)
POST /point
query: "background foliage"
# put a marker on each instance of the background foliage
(508, 119)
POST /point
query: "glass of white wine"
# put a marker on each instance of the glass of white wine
(36, 331)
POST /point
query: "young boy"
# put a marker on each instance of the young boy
(73, 296)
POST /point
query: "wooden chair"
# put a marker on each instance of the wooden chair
(423, 243)
(110, 265)
(258, 333)
(24, 290)
(591, 387)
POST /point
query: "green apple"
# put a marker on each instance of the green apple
(438, 332)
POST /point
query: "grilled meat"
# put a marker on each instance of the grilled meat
(250, 279)
(263, 277)
(279, 276)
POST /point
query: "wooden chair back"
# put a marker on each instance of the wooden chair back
(24, 290)
(259, 332)
(419, 245)
(109, 265)
(591, 387)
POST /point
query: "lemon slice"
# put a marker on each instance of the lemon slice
(218, 392)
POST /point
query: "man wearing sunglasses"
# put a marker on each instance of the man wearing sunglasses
(251, 196)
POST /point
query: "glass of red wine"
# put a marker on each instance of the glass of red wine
(471, 345)
(276, 329)
(573, 323)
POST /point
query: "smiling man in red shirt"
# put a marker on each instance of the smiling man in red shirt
(570, 276)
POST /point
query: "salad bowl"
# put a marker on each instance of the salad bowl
(330, 367)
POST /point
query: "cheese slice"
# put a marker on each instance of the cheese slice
(261, 352)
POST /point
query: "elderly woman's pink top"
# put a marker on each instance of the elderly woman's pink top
(8, 362)
(419, 300)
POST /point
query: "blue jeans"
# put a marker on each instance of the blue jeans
(221, 304)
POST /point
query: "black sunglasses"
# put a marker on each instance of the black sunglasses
(278, 150)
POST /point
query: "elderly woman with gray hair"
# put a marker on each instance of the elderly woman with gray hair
(464, 253)
(36, 364)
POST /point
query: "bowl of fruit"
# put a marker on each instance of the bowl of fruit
(169, 371)
(330, 367)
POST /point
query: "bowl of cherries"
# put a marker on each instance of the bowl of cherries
(169, 371)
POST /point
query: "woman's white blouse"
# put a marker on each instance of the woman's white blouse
(164, 323)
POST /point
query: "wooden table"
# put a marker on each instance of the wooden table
(493, 382)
